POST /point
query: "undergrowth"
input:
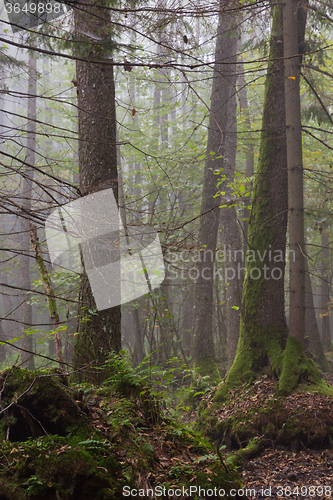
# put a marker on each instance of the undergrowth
(125, 435)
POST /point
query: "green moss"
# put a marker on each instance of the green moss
(10, 490)
(251, 450)
(208, 368)
(52, 468)
(322, 387)
(37, 402)
(295, 365)
(262, 339)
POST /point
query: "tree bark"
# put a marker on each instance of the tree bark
(249, 155)
(311, 325)
(99, 332)
(27, 182)
(209, 221)
(229, 229)
(325, 292)
(295, 170)
(263, 329)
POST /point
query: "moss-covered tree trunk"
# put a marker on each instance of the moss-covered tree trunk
(263, 330)
(99, 332)
(51, 301)
(225, 53)
(263, 334)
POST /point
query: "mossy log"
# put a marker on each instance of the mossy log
(250, 451)
(34, 404)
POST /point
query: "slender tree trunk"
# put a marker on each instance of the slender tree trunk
(209, 221)
(27, 182)
(295, 170)
(325, 293)
(249, 154)
(186, 317)
(138, 350)
(2, 346)
(99, 332)
(229, 229)
(51, 301)
(311, 326)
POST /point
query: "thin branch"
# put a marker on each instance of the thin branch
(317, 95)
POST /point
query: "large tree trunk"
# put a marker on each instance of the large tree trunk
(98, 170)
(263, 340)
(263, 329)
(209, 221)
(27, 181)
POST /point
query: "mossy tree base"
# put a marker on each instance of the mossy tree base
(244, 454)
(289, 366)
(304, 418)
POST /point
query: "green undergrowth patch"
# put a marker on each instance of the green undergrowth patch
(56, 466)
(119, 437)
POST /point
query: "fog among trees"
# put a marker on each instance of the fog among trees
(208, 126)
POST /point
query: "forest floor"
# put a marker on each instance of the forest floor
(286, 475)
(279, 471)
(119, 439)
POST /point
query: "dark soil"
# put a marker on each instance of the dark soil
(290, 475)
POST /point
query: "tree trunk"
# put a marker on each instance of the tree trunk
(263, 339)
(27, 181)
(311, 325)
(249, 156)
(229, 229)
(325, 293)
(99, 331)
(263, 329)
(51, 301)
(295, 170)
(209, 221)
